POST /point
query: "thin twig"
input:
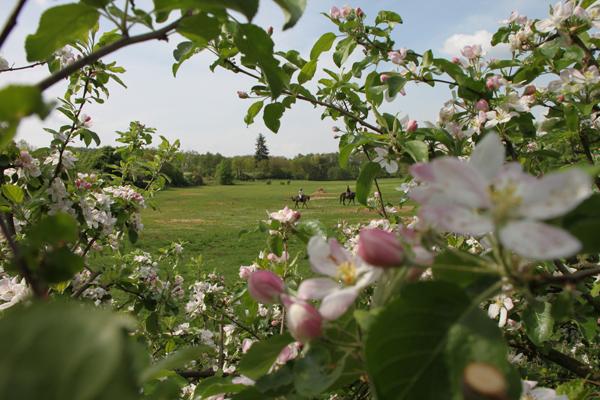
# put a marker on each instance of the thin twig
(23, 67)
(12, 21)
(160, 34)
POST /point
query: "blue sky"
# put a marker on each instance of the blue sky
(202, 109)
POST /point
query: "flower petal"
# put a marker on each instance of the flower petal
(538, 241)
(319, 255)
(452, 218)
(460, 182)
(316, 288)
(336, 304)
(555, 194)
(493, 310)
(488, 156)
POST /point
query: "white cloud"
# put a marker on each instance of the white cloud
(454, 44)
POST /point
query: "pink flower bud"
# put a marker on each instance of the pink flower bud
(493, 82)
(335, 129)
(86, 120)
(265, 286)
(335, 13)
(360, 13)
(384, 78)
(482, 105)
(456, 60)
(346, 11)
(380, 248)
(242, 95)
(411, 125)
(560, 98)
(246, 344)
(270, 31)
(303, 320)
(529, 90)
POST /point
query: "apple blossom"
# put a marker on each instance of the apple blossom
(246, 344)
(383, 158)
(359, 12)
(303, 320)
(285, 216)
(559, 14)
(85, 121)
(12, 291)
(482, 105)
(530, 392)
(380, 248)
(288, 353)
(247, 270)
(346, 275)
(265, 287)
(515, 17)
(335, 13)
(411, 125)
(278, 259)
(384, 78)
(472, 52)
(500, 306)
(398, 56)
(483, 195)
(494, 82)
(346, 11)
(498, 116)
(529, 90)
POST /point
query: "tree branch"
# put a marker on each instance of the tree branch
(571, 278)
(23, 67)
(196, 375)
(160, 34)
(12, 21)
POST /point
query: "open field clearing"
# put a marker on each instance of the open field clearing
(210, 218)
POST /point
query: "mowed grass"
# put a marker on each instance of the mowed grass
(210, 218)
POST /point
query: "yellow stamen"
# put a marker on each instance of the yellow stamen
(347, 273)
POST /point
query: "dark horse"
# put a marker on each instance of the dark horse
(347, 195)
(303, 199)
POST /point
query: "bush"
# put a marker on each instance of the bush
(224, 174)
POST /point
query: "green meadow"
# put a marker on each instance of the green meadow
(210, 218)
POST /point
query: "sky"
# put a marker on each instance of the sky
(201, 108)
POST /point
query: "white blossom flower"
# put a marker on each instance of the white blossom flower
(285, 216)
(483, 195)
(530, 392)
(559, 14)
(500, 306)
(12, 291)
(498, 116)
(389, 164)
(346, 275)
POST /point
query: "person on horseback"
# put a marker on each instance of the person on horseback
(348, 191)
(300, 194)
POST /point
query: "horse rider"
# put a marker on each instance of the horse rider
(348, 191)
(300, 194)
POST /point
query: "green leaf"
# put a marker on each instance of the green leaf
(307, 72)
(343, 50)
(389, 17)
(584, 223)
(60, 265)
(272, 116)
(292, 10)
(17, 102)
(200, 28)
(173, 361)
(276, 244)
(57, 351)
(13, 193)
(253, 111)
(435, 332)
(322, 45)
(261, 356)
(96, 3)
(54, 230)
(418, 150)
(368, 173)
(257, 46)
(216, 385)
(539, 321)
(247, 7)
(316, 371)
(59, 26)
(501, 36)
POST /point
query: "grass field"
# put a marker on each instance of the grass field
(210, 218)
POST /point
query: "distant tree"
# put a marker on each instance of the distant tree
(224, 173)
(262, 151)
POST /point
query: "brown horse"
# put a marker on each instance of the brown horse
(350, 196)
(304, 199)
